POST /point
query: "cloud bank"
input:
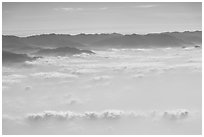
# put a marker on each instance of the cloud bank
(175, 115)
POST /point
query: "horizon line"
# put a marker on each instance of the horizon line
(100, 33)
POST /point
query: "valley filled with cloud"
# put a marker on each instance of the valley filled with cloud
(114, 91)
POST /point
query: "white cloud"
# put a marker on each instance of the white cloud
(143, 61)
(103, 8)
(12, 78)
(69, 9)
(146, 6)
(176, 114)
(172, 115)
(49, 75)
(111, 114)
(46, 115)
(138, 76)
(102, 78)
(85, 71)
(10, 81)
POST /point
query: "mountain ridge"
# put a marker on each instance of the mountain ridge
(103, 40)
(105, 33)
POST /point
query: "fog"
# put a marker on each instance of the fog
(115, 91)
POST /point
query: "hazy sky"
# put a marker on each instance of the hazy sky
(37, 18)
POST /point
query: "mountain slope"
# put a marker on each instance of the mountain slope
(9, 57)
(88, 39)
(143, 41)
(62, 51)
(52, 40)
(193, 37)
(16, 44)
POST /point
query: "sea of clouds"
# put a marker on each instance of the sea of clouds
(98, 88)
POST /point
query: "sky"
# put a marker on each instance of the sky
(30, 18)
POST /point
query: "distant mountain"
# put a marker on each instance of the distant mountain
(51, 40)
(187, 36)
(62, 51)
(89, 41)
(34, 43)
(145, 41)
(9, 57)
(16, 44)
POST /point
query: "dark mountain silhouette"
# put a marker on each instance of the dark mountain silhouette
(187, 36)
(113, 40)
(34, 43)
(16, 44)
(143, 41)
(52, 40)
(9, 57)
(62, 51)
(88, 39)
